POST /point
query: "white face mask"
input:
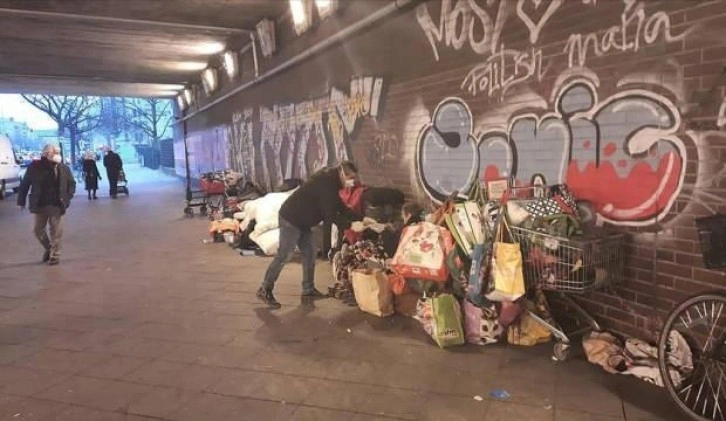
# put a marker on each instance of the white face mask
(350, 183)
(56, 158)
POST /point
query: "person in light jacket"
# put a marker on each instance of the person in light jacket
(51, 186)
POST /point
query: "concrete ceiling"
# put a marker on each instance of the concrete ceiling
(119, 47)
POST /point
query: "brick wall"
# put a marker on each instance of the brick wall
(622, 100)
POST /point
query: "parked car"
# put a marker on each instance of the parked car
(9, 167)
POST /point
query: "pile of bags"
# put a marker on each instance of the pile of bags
(467, 280)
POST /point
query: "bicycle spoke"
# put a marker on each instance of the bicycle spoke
(714, 322)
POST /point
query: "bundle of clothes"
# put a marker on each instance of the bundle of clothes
(250, 218)
(635, 357)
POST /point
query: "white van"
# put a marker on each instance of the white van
(9, 167)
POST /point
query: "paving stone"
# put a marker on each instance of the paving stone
(23, 381)
(110, 395)
(115, 367)
(216, 407)
(507, 411)
(161, 401)
(266, 386)
(61, 360)
(20, 408)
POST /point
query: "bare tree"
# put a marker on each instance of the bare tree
(77, 114)
(151, 116)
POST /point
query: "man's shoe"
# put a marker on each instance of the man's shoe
(267, 298)
(46, 256)
(53, 261)
(314, 293)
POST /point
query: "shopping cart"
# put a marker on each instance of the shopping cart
(565, 266)
(214, 195)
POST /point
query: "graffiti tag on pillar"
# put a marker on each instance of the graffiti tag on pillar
(240, 145)
(627, 142)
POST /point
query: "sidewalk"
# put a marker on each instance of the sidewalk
(142, 321)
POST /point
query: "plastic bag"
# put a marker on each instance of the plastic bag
(528, 332)
(422, 251)
(372, 292)
(447, 329)
(507, 280)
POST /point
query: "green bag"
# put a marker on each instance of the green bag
(446, 325)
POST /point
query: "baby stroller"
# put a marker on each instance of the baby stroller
(123, 186)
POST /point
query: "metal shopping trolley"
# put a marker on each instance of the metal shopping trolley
(569, 266)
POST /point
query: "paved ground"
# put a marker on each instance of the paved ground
(142, 321)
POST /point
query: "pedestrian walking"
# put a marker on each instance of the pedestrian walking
(91, 174)
(317, 200)
(114, 165)
(51, 186)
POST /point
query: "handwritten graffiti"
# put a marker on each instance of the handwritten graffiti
(636, 29)
(536, 27)
(504, 70)
(239, 144)
(384, 147)
(600, 148)
(479, 25)
(299, 139)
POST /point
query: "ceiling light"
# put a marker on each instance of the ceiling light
(180, 102)
(209, 79)
(208, 47)
(326, 7)
(190, 66)
(230, 64)
(300, 16)
(165, 93)
(168, 87)
(188, 97)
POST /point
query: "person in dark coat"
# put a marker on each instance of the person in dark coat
(51, 186)
(317, 200)
(91, 174)
(114, 165)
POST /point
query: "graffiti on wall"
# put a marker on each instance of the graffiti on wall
(384, 147)
(480, 25)
(636, 29)
(298, 139)
(239, 143)
(599, 147)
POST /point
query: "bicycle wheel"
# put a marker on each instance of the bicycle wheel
(701, 321)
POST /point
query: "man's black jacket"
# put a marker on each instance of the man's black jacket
(318, 200)
(45, 187)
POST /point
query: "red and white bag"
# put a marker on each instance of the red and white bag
(422, 251)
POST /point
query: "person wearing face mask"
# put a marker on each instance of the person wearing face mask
(316, 201)
(51, 186)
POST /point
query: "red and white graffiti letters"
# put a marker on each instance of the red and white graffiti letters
(621, 153)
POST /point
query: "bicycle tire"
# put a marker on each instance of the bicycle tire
(711, 296)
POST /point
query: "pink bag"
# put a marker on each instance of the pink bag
(422, 252)
(479, 329)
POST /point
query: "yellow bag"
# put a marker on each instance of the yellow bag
(372, 292)
(506, 281)
(528, 332)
